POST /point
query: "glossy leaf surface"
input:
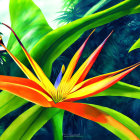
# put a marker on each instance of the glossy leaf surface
(28, 123)
(60, 39)
(64, 36)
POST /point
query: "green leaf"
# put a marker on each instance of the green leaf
(96, 7)
(135, 46)
(57, 41)
(121, 89)
(60, 39)
(57, 123)
(30, 25)
(28, 123)
(9, 102)
(28, 22)
(126, 121)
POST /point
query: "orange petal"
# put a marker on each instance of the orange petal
(46, 82)
(98, 86)
(98, 78)
(91, 113)
(83, 110)
(26, 89)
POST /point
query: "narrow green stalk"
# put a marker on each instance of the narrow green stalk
(96, 7)
(57, 123)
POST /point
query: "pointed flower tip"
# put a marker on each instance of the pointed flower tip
(63, 69)
(137, 64)
(92, 32)
(107, 38)
(112, 31)
(110, 34)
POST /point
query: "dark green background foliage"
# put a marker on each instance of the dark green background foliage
(114, 56)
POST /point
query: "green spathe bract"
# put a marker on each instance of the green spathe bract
(57, 42)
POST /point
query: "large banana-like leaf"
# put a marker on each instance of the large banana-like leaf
(30, 24)
(28, 123)
(124, 120)
(60, 39)
(135, 46)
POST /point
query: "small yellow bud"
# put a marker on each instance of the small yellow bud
(63, 69)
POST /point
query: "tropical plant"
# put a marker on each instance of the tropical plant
(67, 89)
(57, 41)
(125, 26)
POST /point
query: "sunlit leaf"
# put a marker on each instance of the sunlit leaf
(27, 21)
(28, 123)
(60, 39)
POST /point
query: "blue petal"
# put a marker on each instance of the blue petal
(58, 80)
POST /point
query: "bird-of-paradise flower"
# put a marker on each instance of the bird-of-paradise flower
(68, 87)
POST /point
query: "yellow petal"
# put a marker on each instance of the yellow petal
(98, 86)
(41, 75)
(84, 69)
(98, 78)
(70, 69)
(27, 72)
(43, 78)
